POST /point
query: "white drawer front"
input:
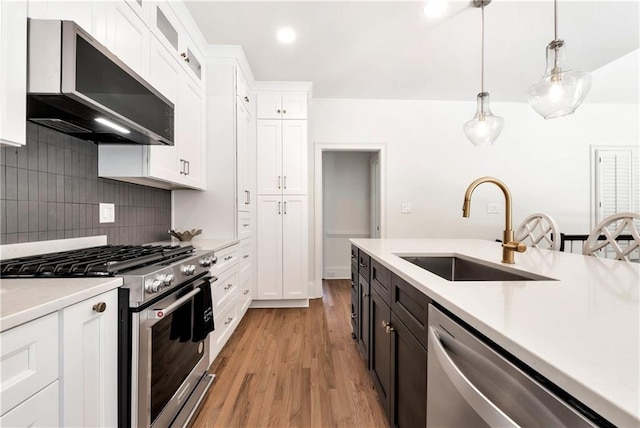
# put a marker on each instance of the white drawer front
(225, 259)
(41, 410)
(244, 225)
(245, 295)
(224, 289)
(244, 267)
(225, 324)
(29, 360)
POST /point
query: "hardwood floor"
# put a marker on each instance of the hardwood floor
(293, 368)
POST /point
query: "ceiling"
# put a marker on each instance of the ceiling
(390, 50)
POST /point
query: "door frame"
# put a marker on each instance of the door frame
(315, 289)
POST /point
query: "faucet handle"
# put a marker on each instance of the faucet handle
(515, 246)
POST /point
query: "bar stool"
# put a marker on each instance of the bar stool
(610, 234)
(540, 231)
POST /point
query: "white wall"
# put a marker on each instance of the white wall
(346, 207)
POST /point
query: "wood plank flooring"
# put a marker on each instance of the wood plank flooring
(293, 368)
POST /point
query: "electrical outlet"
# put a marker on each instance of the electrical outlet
(406, 208)
(107, 213)
(492, 208)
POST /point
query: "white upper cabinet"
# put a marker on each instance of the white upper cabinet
(128, 37)
(13, 72)
(244, 172)
(281, 105)
(242, 90)
(89, 15)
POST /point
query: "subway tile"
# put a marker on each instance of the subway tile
(60, 216)
(33, 236)
(33, 185)
(3, 218)
(3, 182)
(52, 158)
(23, 184)
(90, 215)
(2, 155)
(82, 165)
(92, 166)
(82, 216)
(43, 188)
(51, 187)
(60, 234)
(60, 159)
(23, 157)
(68, 233)
(95, 191)
(11, 238)
(43, 236)
(42, 156)
(68, 161)
(23, 237)
(32, 131)
(52, 234)
(75, 216)
(52, 211)
(75, 190)
(68, 193)
(59, 188)
(11, 213)
(23, 217)
(33, 216)
(10, 156)
(43, 214)
(32, 154)
(11, 175)
(74, 165)
(68, 209)
(82, 190)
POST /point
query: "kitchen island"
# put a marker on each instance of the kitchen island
(580, 330)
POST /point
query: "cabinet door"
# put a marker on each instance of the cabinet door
(269, 247)
(128, 37)
(89, 362)
(409, 378)
(13, 73)
(294, 248)
(269, 153)
(40, 410)
(269, 105)
(164, 75)
(294, 105)
(364, 322)
(294, 157)
(243, 123)
(189, 132)
(380, 359)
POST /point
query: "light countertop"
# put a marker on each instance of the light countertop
(25, 299)
(582, 331)
(209, 244)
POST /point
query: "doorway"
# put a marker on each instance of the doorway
(349, 200)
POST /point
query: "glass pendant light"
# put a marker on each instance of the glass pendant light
(561, 90)
(484, 128)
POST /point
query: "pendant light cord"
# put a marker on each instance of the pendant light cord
(482, 51)
(555, 19)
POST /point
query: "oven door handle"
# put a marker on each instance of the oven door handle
(161, 313)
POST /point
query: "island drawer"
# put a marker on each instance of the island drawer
(411, 306)
(364, 262)
(381, 281)
(354, 256)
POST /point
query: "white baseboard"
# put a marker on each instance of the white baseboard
(337, 272)
(294, 303)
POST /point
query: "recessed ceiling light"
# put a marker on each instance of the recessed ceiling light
(435, 8)
(286, 35)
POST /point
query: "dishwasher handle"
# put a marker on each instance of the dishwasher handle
(486, 409)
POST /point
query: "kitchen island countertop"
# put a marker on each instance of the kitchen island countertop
(581, 331)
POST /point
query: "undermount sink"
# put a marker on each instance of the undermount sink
(455, 268)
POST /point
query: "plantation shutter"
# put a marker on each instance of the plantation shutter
(617, 182)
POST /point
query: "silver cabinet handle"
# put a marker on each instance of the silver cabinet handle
(247, 197)
(354, 316)
(476, 399)
(279, 211)
(214, 279)
(246, 98)
(228, 321)
(285, 207)
(187, 167)
(161, 313)
(285, 182)
(245, 224)
(353, 283)
(246, 256)
(246, 292)
(228, 286)
(279, 182)
(182, 161)
(228, 258)
(365, 295)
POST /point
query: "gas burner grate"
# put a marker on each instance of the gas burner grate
(106, 260)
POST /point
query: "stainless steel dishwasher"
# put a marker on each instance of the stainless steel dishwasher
(470, 385)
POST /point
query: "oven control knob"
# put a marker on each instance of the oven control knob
(153, 285)
(206, 262)
(189, 269)
(167, 279)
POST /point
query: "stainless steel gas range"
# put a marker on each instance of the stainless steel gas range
(165, 315)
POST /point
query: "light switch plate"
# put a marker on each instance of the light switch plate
(492, 208)
(406, 208)
(107, 213)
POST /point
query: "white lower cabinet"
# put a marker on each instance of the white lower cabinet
(89, 364)
(61, 369)
(225, 322)
(282, 247)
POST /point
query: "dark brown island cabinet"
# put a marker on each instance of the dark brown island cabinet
(394, 341)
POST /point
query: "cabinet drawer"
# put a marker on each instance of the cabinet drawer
(225, 323)
(354, 279)
(364, 262)
(354, 256)
(244, 263)
(381, 280)
(224, 289)
(225, 258)
(411, 307)
(244, 299)
(244, 225)
(29, 360)
(41, 410)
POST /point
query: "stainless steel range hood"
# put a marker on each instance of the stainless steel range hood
(77, 86)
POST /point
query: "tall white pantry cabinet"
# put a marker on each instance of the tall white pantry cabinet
(282, 206)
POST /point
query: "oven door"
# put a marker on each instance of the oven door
(169, 364)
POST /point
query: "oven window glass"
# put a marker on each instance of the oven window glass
(173, 356)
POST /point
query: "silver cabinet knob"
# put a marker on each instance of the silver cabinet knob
(100, 307)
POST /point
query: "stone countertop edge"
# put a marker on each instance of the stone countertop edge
(23, 300)
(581, 331)
(207, 244)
